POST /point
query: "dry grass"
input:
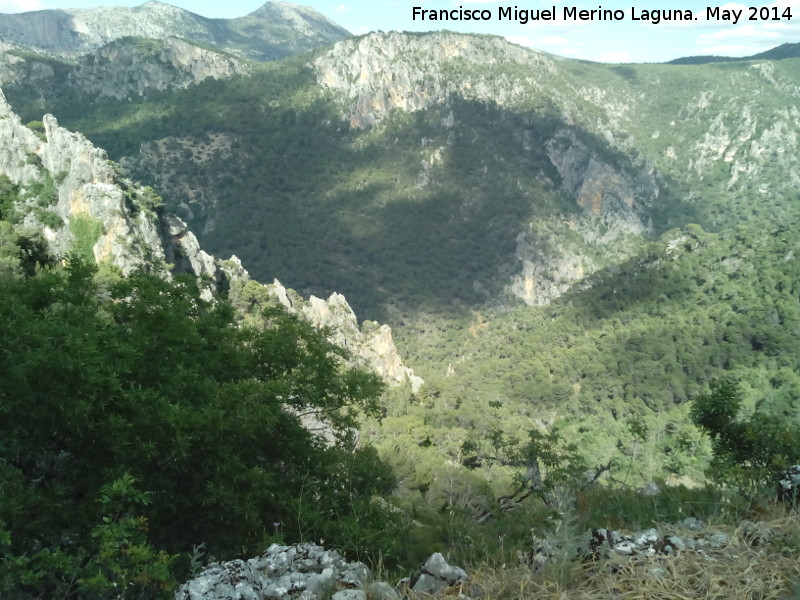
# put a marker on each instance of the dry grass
(736, 571)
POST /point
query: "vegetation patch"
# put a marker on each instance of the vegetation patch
(86, 232)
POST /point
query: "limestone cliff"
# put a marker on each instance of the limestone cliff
(602, 189)
(370, 344)
(130, 230)
(379, 72)
(129, 66)
(122, 69)
(87, 188)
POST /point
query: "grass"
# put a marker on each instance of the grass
(744, 568)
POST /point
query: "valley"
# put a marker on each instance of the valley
(549, 261)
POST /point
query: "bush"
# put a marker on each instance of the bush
(748, 452)
(187, 427)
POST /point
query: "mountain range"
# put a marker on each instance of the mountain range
(275, 30)
(559, 247)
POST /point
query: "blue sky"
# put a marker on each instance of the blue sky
(625, 40)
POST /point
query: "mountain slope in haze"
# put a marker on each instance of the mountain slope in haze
(275, 30)
(125, 68)
(521, 172)
(778, 53)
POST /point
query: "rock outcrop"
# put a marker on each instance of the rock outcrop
(789, 485)
(379, 72)
(130, 230)
(18, 145)
(87, 188)
(371, 344)
(309, 572)
(304, 571)
(648, 543)
(130, 66)
(435, 575)
(122, 69)
(605, 543)
(601, 189)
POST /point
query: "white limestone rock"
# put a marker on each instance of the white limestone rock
(436, 574)
(301, 572)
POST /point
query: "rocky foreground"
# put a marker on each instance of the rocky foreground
(309, 572)
(690, 561)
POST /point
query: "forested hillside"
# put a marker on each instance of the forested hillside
(595, 269)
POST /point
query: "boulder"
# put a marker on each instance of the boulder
(605, 543)
(435, 575)
(789, 485)
(302, 572)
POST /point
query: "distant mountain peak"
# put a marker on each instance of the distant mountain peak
(275, 30)
(304, 19)
(270, 7)
(159, 6)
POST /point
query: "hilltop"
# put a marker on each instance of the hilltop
(275, 30)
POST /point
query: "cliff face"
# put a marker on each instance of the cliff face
(371, 343)
(131, 66)
(87, 187)
(19, 143)
(130, 231)
(381, 72)
(122, 69)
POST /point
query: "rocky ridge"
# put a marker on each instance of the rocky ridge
(123, 69)
(371, 342)
(87, 187)
(380, 72)
(130, 232)
(274, 31)
(130, 67)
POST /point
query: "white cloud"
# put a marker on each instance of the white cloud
(342, 8)
(732, 6)
(15, 6)
(750, 37)
(794, 5)
(521, 40)
(554, 40)
(614, 57)
(737, 33)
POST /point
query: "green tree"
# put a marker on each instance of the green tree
(748, 451)
(141, 380)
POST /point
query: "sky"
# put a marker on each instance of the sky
(627, 36)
